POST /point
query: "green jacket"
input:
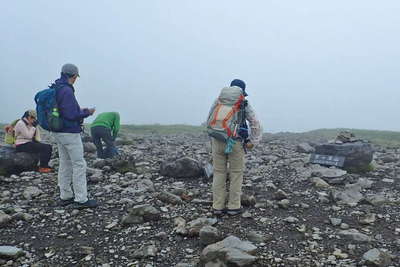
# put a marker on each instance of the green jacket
(109, 120)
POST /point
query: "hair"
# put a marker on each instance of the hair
(68, 75)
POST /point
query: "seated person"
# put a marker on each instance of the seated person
(27, 139)
(105, 128)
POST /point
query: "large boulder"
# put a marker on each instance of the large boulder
(12, 162)
(358, 155)
(182, 168)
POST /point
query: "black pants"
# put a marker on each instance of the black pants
(44, 151)
(99, 134)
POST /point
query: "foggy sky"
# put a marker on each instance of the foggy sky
(307, 64)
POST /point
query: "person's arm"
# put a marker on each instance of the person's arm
(22, 131)
(116, 125)
(70, 108)
(255, 126)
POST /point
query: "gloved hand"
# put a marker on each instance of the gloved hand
(249, 146)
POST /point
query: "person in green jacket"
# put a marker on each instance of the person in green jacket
(105, 129)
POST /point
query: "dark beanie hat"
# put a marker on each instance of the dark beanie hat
(241, 84)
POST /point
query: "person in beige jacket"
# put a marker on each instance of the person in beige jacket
(27, 139)
(228, 154)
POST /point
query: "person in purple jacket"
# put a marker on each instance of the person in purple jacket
(72, 170)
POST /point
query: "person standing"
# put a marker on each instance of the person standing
(230, 137)
(72, 170)
(105, 129)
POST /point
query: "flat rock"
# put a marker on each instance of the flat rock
(10, 252)
(12, 162)
(355, 235)
(377, 257)
(230, 251)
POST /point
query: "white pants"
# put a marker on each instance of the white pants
(72, 170)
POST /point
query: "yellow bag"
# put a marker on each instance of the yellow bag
(9, 137)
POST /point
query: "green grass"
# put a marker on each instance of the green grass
(384, 138)
(161, 129)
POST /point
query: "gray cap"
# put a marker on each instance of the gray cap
(70, 69)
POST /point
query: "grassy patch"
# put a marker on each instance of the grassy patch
(384, 138)
(161, 129)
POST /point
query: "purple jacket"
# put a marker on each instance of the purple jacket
(68, 107)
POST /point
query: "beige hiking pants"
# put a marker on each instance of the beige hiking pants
(236, 165)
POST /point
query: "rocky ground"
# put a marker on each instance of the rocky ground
(296, 214)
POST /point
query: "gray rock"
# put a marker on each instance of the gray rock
(89, 147)
(320, 183)
(181, 168)
(329, 173)
(145, 252)
(256, 237)
(376, 200)
(247, 200)
(31, 192)
(335, 221)
(4, 218)
(280, 195)
(141, 213)
(10, 252)
(230, 251)
(368, 219)
(169, 198)
(305, 148)
(377, 257)
(195, 226)
(350, 196)
(209, 235)
(358, 154)
(355, 235)
(12, 162)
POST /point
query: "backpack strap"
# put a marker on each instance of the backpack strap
(235, 108)
(217, 108)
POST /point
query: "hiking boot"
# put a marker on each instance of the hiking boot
(65, 202)
(90, 204)
(45, 170)
(234, 212)
(219, 212)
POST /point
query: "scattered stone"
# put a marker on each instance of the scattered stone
(377, 257)
(181, 168)
(169, 198)
(280, 195)
(247, 200)
(209, 235)
(141, 213)
(305, 148)
(230, 251)
(355, 235)
(195, 226)
(31, 192)
(368, 219)
(4, 218)
(145, 252)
